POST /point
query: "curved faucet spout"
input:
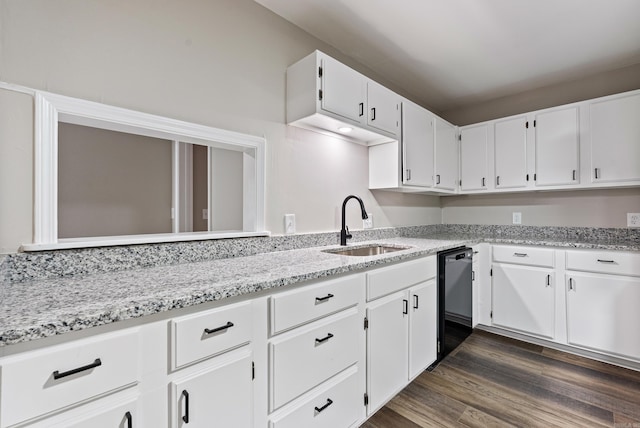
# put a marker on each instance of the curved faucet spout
(344, 232)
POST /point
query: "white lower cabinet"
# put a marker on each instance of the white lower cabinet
(602, 313)
(335, 404)
(401, 328)
(219, 395)
(524, 299)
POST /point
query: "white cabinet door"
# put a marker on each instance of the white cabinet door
(602, 313)
(511, 153)
(387, 348)
(557, 147)
(615, 139)
(417, 145)
(384, 108)
(524, 299)
(446, 155)
(423, 327)
(218, 396)
(343, 90)
(474, 147)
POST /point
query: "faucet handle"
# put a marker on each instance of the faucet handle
(348, 235)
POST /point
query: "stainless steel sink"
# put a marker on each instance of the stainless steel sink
(369, 250)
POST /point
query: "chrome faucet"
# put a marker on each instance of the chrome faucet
(344, 232)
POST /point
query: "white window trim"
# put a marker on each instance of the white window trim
(52, 108)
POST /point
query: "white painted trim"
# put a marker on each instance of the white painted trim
(52, 108)
(111, 241)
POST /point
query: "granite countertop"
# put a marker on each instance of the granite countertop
(36, 309)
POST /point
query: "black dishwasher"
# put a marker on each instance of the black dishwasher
(454, 298)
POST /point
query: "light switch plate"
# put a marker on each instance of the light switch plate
(517, 218)
(633, 219)
(289, 223)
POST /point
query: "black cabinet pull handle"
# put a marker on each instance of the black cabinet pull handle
(473, 275)
(229, 324)
(498, 180)
(606, 261)
(361, 109)
(405, 306)
(415, 301)
(185, 418)
(571, 287)
(548, 280)
(373, 114)
(329, 402)
(437, 178)
(322, 299)
(324, 339)
(520, 254)
(574, 175)
(57, 375)
(483, 182)
(129, 419)
(597, 170)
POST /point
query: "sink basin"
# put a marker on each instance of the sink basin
(369, 250)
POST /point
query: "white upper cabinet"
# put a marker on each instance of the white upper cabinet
(417, 145)
(615, 138)
(326, 96)
(556, 147)
(511, 153)
(343, 90)
(474, 157)
(446, 155)
(383, 108)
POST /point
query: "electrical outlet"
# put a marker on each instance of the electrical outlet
(368, 223)
(517, 218)
(633, 219)
(289, 223)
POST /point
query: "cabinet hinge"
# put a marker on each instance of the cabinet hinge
(460, 182)
(319, 71)
(253, 370)
(491, 272)
(491, 315)
(526, 125)
(366, 323)
(366, 399)
(535, 177)
(534, 123)
(320, 94)
(527, 177)
(459, 137)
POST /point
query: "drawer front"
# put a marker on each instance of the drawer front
(305, 359)
(529, 256)
(40, 382)
(613, 262)
(390, 279)
(210, 333)
(335, 406)
(294, 308)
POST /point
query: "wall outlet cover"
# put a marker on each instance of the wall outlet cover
(633, 219)
(368, 223)
(289, 223)
(517, 218)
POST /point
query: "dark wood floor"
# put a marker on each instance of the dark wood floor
(493, 381)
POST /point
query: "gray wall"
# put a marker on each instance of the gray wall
(215, 62)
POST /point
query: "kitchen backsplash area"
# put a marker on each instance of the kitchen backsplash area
(28, 266)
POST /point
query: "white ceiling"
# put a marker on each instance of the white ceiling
(452, 53)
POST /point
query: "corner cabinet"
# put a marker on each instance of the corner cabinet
(325, 95)
(474, 158)
(417, 145)
(446, 155)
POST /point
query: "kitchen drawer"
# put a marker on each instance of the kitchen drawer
(387, 280)
(333, 405)
(38, 382)
(529, 256)
(296, 307)
(209, 333)
(312, 354)
(612, 262)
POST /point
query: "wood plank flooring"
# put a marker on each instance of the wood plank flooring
(494, 381)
